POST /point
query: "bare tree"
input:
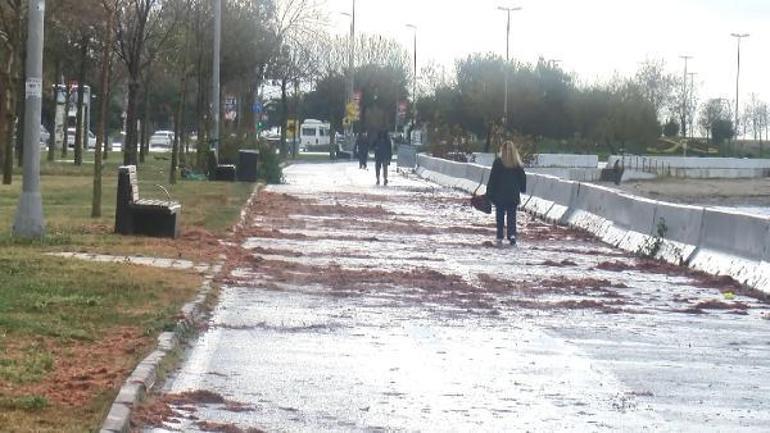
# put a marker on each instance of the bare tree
(109, 8)
(297, 26)
(142, 27)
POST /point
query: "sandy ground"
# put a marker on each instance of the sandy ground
(353, 308)
(712, 192)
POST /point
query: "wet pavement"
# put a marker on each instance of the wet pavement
(350, 307)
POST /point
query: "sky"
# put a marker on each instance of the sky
(594, 39)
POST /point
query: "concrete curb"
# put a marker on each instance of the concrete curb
(144, 377)
(713, 241)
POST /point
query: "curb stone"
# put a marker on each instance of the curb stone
(143, 379)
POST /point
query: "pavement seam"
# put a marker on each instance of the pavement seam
(144, 377)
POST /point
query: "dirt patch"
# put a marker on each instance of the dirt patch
(723, 283)
(538, 232)
(169, 408)
(83, 370)
(276, 252)
(225, 428)
(549, 286)
(270, 203)
(607, 307)
(714, 304)
(562, 264)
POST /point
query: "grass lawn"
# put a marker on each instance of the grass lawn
(71, 331)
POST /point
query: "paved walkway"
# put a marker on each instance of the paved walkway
(156, 262)
(355, 308)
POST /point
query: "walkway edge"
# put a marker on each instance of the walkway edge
(144, 377)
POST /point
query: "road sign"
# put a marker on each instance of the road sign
(402, 108)
(257, 107)
(352, 113)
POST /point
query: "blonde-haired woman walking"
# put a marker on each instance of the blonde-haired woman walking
(506, 183)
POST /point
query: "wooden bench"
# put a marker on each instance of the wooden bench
(135, 216)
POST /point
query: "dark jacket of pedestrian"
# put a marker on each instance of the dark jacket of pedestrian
(506, 183)
(383, 148)
(362, 146)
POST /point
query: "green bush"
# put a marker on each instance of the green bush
(270, 169)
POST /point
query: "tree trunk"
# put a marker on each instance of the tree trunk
(104, 105)
(129, 147)
(179, 118)
(21, 100)
(108, 97)
(7, 134)
(284, 118)
(145, 147)
(52, 127)
(66, 144)
(81, 133)
(3, 128)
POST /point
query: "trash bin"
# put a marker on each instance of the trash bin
(247, 165)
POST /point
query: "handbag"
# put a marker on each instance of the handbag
(481, 202)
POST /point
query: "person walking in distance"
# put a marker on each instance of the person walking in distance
(506, 183)
(361, 150)
(383, 153)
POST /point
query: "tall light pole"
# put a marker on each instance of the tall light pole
(508, 11)
(414, 81)
(351, 52)
(684, 96)
(29, 222)
(738, 36)
(692, 99)
(215, 92)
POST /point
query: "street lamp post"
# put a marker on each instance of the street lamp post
(414, 81)
(351, 53)
(738, 36)
(508, 11)
(691, 100)
(684, 96)
(29, 222)
(351, 64)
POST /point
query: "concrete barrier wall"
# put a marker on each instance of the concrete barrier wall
(714, 241)
(682, 223)
(563, 160)
(735, 232)
(691, 162)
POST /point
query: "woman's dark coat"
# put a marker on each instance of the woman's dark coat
(506, 184)
(383, 149)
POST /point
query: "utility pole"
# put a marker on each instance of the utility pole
(684, 96)
(508, 11)
(29, 221)
(414, 83)
(738, 36)
(216, 94)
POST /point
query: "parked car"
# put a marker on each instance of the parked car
(161, 141)
(90, 142)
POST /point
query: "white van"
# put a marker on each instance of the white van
(161, 141)
(314, 133)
